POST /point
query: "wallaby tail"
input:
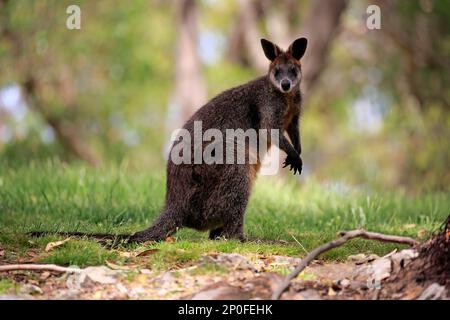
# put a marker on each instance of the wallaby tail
(105, 238)
(164, 226)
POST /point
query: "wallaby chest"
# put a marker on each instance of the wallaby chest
(293, 109)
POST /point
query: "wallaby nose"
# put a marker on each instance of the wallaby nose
(285, 84)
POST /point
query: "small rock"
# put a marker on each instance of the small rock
(230, 260)
(101, 274)
(362, 258)
(433, 292)
(70, 294)
(403, 258)
(356, 257)
(220, 291)
(146, 271)
(30, 289)
(45, 275)
(309, 294)
(344, 283)
(12, 297)
(137, 291)
(381, 269)
(91, 275)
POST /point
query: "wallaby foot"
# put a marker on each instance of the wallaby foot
(216, 234)
(228, 232)
(163, 227)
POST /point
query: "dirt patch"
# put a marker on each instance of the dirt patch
(214, 276)
(417, 273)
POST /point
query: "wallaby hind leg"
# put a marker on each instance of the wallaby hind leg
(230, 232)
(216, 233)
(234, 229)
(228, 204)
(164, 226)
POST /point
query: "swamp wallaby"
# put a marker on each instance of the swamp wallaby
(214, 196)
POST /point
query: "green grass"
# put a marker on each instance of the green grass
(58, 197)
(6, 286)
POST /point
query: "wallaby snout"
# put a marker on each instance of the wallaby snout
(285, 85)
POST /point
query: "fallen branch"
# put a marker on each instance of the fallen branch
(38, 267)
(345, 236)
(382, 237)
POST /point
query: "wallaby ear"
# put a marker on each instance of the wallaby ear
(298, 48)
(271, 50)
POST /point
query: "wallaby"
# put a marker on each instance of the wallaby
(214, 196)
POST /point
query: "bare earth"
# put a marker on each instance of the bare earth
(233, 276)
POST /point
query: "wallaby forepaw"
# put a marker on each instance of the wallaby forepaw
(295, 164)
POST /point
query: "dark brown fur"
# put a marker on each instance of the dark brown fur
(214, 197)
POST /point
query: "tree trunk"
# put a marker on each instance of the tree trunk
(244, 42)
(190, 91)
(320, 27)
(68, 134)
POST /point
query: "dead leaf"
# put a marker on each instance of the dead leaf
(126, 254)
(170, 239)
(331, 292)
(32, 254)
(141, 278)
(45, 275)
(119, 267)
(409, 226)
(147, 252)
(362, 258)
(422, 233)
(146, 271)
(52, 245)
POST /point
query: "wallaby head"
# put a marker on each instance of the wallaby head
(285, 71)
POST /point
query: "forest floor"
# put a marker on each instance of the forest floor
(283, 222)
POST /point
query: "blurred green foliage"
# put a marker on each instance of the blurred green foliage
(114, 77)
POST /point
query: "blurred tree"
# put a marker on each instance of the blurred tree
(189, 91)
(321, 26)
(100, 89)
(378, 100)
(417, 29)
(244, 46)
(27, 66)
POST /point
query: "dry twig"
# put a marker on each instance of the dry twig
(345, 236)
(38, 267)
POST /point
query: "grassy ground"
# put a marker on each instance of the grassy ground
(118, 200)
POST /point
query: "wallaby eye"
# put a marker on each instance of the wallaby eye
(293, 70)
(276, 72)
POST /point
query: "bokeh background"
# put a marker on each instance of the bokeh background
(377, 109)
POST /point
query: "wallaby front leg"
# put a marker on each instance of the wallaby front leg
(293, 132)
(293, 159)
